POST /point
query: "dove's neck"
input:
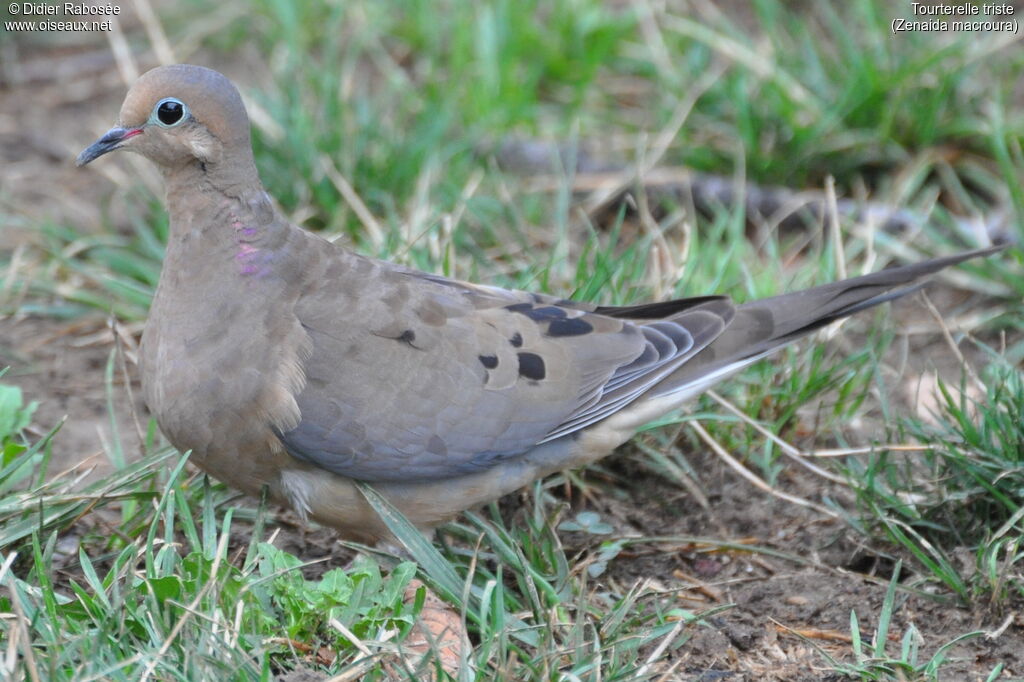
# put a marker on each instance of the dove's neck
(230, 171)
(223, 219)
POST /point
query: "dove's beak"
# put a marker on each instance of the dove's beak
(111, 140)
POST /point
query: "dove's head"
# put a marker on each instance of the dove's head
(180, 117)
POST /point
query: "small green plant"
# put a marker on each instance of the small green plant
(176, 597)
(965, 491)
(587, 522)
(15, 415)
(873, 661)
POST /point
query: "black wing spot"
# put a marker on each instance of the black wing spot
(407, 337)
(516, 340)
(549, 312)
(488, 361)
(573, 326)
(531, 366)
(542, 314)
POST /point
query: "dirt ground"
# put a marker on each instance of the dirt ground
(784, 614)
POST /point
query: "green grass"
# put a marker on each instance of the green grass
(409, 102)
(964, 492)
(170, 596)
(874, 660)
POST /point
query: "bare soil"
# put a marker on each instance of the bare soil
(786, 616)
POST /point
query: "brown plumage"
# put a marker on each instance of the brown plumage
(283, 360)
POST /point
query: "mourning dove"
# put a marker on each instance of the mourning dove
(283, 360)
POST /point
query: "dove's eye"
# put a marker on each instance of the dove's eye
(169, 112)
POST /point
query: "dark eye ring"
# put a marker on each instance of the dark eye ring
(170, 112)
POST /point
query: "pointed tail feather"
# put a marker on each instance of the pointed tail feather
(763, 326)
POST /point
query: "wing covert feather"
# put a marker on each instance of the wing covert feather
(422, 377)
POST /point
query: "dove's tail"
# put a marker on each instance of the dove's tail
(761, 327)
